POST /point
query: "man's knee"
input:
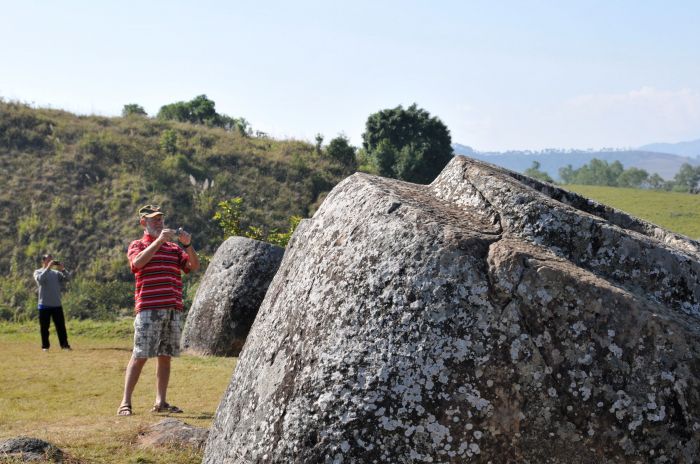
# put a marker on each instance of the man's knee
(138, 361)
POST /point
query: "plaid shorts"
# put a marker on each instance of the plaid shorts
(156, 333)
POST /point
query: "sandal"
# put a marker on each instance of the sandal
(165, 407)
(124, 410)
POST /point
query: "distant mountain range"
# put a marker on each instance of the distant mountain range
(690, 149)
(651, 159)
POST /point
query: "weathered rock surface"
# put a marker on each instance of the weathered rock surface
(229, 296)
(173, 433)
(28, 449)
(486, 317)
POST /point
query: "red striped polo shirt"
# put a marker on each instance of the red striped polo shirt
(158, 283)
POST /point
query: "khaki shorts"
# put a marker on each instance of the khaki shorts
(156, 333)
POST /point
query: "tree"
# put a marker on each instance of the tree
(385, 157)
(633, 177)
(687, 178)
(567, 174)
(656, 182)
(202, 110)
(133, 109)
(228, 215)
(175, 112)
(319, 142)
(340, 150)
(407, 144)
(534, 172)
(599, 172)
(199, 110)
(239, 125)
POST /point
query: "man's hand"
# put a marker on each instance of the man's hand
(58, 265)
(167, 235)
(185, 238)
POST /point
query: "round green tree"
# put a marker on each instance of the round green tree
(340, 150)
(407, 144)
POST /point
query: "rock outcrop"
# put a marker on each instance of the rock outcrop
(173, 433)
(28, 449)
(229, 296)
(486, 317)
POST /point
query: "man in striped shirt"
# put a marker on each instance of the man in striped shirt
(157, 263)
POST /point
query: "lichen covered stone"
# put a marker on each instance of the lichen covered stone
(229, 296)
(486, 317)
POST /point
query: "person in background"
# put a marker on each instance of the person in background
(49, 279)
(157, 263)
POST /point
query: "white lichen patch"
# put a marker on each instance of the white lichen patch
(615, 350)
(578, 328)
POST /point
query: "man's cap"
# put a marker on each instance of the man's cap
(150, 211)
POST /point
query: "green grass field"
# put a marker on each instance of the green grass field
(70, 398)
(678, 212)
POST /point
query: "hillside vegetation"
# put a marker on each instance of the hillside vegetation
(72, 185)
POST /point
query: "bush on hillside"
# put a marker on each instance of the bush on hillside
(133, 109)
(202, 110)
(340, 150)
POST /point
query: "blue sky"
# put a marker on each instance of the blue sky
(500, 74)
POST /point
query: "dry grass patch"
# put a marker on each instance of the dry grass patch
(70, 398)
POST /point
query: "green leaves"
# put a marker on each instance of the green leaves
(687, 178)
(229, 214)
(168, 142)
(534, 172)
(133, 109)
(407, 144)
(339, 149)
(201, 110)
(282, 238)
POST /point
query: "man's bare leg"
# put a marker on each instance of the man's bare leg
(133, 371)
(162, 379)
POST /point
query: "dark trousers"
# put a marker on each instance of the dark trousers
(45, 316)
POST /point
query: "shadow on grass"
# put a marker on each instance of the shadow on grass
(108, 348)
(201, 416)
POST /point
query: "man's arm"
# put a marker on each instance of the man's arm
(146, 255)
(193, 263)
(64, 274)
(41, 274)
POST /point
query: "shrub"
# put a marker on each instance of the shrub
(340, 150)
(90, 299)
(133, 109)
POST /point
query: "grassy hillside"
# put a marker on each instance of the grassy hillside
(72, 185)
(679, 212)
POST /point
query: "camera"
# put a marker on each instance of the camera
(177, 233)
(57, 263)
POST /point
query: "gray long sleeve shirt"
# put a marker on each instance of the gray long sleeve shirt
(49, 281)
